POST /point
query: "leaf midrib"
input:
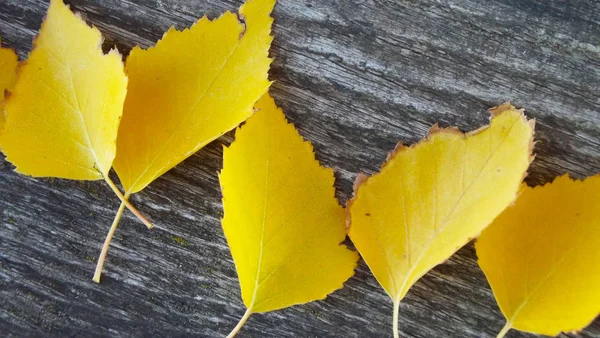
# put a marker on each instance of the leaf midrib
(77, 108)
(183, 119)
(446, 218)
(545, 279)
(262, 227)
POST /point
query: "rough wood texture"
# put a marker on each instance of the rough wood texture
(355, 77)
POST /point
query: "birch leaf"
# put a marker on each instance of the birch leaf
(431, 199)
(8, 77)
(191, 88)
(282, 221)
(63, 114)
(542, 257)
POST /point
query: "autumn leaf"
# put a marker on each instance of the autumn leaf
(281, 219)
(63, 113)
(542, 257)
(430, 199)
(8, 77)
(189, 89)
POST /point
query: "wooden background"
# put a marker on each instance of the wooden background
(355, 77)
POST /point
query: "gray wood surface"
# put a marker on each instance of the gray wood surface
(355, 77)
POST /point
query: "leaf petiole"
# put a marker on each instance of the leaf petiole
(241, 323)
(107, 241)
(504, 330)
(395, 318)
(129, 206)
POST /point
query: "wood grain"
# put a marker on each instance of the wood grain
(355, 77)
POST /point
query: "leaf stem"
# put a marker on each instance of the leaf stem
(237, 328)
(505, 330)
(124, 200)
(107, 241)
(395, 318)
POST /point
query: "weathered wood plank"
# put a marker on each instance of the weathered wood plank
(355, 77)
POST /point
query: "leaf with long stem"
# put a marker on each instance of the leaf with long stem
(62, 116)
(189, 89)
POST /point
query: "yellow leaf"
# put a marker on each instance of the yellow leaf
(63, 114)
(191, 88)
(282, 221)
(8, 77)
(432, 198)
(542, 257)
